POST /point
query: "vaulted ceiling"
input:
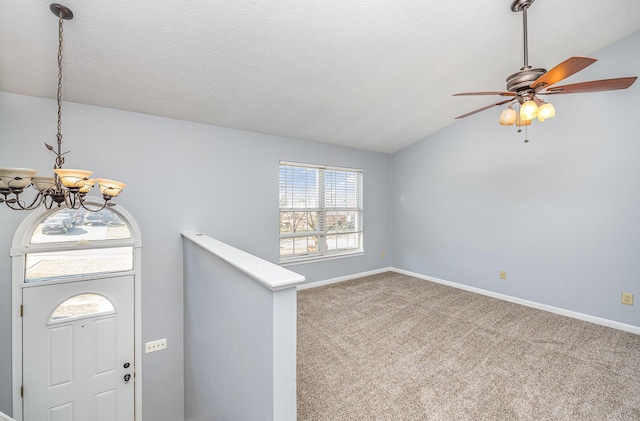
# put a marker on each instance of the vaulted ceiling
(375, 75)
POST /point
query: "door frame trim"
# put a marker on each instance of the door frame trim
(18, 250)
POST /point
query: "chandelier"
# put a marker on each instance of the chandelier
(67, 187)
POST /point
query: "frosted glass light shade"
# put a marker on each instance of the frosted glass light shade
(72, 178)
(508, 117)
(528, 110)
(110, 187)
(520, 122)
(44, 183)
(546, 111)
(87, 185)
(18, 178)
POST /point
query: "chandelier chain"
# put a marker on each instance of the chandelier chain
(59, 158)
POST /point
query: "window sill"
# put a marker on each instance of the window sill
(317, 259)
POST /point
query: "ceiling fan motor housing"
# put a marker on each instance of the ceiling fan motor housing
(521, 81)
(520, 5)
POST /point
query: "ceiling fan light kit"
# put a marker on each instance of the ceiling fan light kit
(525, 87)
(67, 187)
(528, 110)
(546, 111)
(521, 121)
(508, 116)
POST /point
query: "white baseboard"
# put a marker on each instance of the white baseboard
(533, 304)
(557, 310)
(345, 278)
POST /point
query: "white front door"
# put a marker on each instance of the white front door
(78, 351)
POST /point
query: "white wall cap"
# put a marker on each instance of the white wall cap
(269, 274)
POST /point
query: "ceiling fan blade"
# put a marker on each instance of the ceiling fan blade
(486, 93)
(592, 86)
(484, 108)
(569, 67)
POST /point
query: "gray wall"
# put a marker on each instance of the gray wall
(231, 337)
(228, 182)
(560, 214)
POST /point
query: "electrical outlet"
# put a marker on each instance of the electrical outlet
(154, 346)
(383, 254)
(627, 298)
(503, 274)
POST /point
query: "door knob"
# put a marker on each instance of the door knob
(127, 377)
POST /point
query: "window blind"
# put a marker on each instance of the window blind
(321, 212)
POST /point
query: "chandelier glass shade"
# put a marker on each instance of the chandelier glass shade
(67, 187)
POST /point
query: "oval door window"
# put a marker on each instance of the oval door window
(82, 306)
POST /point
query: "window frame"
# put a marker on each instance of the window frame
(322, 231)
(28, 248)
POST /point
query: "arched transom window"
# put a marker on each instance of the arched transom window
(77, 243)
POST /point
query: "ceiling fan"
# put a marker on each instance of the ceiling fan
(526, 86)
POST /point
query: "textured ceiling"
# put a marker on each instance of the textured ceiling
(375, 75)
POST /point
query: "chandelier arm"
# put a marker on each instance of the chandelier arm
(11, 203)
(49, 204)
(90, 209)
(37, 201)
(98, 209)
(70, 200)
(5, 199)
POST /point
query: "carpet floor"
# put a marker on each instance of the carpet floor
(395, 347)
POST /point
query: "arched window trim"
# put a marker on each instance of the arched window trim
(22, 239)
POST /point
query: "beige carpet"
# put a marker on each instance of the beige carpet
(394, 347)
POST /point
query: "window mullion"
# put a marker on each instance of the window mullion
(322, 222)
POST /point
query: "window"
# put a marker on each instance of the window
(76, 243)
(320, 211)
(72, 226)
(82, 306)
(52, 265)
